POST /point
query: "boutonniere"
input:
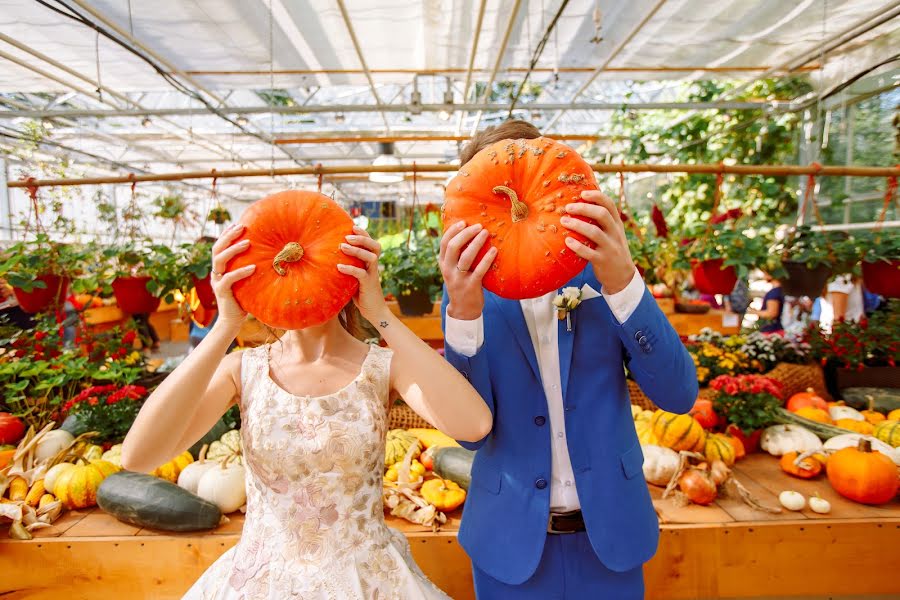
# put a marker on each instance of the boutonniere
(565, 302)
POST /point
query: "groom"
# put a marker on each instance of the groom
(558, 506)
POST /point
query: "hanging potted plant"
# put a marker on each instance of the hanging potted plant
(723, 254)
(40, 272)
(808, 259)
(881, 263)
(412, 275)
(197, 267)
(143, 276)
(218, 215)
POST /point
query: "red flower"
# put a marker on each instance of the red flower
(93, 401)
(39, 335)
(129, 337)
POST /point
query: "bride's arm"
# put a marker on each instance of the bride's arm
(428, 383)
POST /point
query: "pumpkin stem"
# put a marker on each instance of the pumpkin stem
(865, 445)
(292, 252)
(519, 209)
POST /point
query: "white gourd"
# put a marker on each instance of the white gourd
(851, 440)
(51, 443)
(223, 485)
(190, 476)
(778, 440)
(845, 412)
(660, 464)
(792, 500)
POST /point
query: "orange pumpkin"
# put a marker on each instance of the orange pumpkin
(863, 427)
(814, 414)
(295, 243)
(894, 415)
(518, 190)
(739, 450)
(871, 415)
(863, 475)
(807, 398)
(807, 469)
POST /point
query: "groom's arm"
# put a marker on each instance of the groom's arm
(464, 349)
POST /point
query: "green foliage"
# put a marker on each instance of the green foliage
(23, 262)
(874, 246)
(744, 250)
(413, 267)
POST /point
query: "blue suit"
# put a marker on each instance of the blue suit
(504, 526)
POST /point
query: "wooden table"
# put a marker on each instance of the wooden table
(726, 550)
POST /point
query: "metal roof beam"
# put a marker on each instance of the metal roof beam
(362, 60)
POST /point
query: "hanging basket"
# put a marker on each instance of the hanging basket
(205, 293)
(40, 299)
(803, 281)
(882, 278)
(132, 295)
(711, 277)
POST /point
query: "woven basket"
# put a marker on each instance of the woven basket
(640, 398)
(403, 417)
(798, 378)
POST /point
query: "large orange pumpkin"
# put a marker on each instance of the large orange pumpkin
(863, 475)
(295, 243)
(807, 398)
(518, 190)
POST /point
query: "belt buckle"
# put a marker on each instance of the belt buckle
(553, 531)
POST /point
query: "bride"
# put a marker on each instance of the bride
(314, 408)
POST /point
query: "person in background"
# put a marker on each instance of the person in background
(772, 308)
(738, 301)
(846, 297)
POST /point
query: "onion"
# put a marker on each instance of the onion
(698, 486)
(719, 472)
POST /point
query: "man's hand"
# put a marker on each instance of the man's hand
(459, 248)
(610, 257)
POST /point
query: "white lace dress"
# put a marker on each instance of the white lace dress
(315, 524)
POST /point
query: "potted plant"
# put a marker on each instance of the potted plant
(40, 271)
(218, 215)
(109, 409)
(722, 254)
(175, 209)
(197, 266)
(808, 259)
(748, 403)
(143, 275)
(881, 262)
(412, 275)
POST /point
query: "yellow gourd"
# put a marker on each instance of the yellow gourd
(172, 469)
(416, 470)
(857, 426)
(445, 495)
(433, 437)
(77, 487)
(397, 444)
(645, 433)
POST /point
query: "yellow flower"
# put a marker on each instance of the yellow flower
(133, 358)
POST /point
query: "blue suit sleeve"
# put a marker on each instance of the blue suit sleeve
(475, 369)
(660, 363)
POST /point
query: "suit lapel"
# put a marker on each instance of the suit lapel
(512, 312)
(567, 340)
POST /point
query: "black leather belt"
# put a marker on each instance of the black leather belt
(561, 523)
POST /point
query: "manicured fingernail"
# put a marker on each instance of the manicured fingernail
(571, 207)
(460, 225)
(243, 243)
(250, 268)
(492, 251)
(565, 220)
(346, 246)
(571, 242)
(478, 226)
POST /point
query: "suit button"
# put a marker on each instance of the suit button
(638, 335)
(643, 340)
(539, 421)
(648, 349)
(540, 484)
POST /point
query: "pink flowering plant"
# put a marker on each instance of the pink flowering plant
(109, 410)
(749, 402)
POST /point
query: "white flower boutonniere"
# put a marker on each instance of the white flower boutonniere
(565, 302)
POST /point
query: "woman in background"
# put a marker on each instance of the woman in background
(772, 308)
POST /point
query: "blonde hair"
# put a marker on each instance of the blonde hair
(510, 130)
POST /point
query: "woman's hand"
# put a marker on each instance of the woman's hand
(230, 313)
(370, 298)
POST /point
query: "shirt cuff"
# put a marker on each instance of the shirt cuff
(624, 303)
(465, 337)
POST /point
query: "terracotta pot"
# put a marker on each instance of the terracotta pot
(205, 293)
(132, 295)
(882, 278)
(40, 299)
(803, 281)
(416, 304)
(710, 277)
(751, 442)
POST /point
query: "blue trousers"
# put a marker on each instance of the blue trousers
(569, 570)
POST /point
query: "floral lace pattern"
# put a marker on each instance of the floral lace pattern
(315, 524)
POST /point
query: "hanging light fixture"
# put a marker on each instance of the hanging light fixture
(444, 115)
(242, 121)
(385, 157)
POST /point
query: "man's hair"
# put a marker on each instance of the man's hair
(510, 130)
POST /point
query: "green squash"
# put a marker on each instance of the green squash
(218, 430)
(74, 425)
(454, 464)
(147, 501)
(884, 400)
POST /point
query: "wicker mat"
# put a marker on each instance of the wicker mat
(403, 417)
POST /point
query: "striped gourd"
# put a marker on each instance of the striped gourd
(77, 487)
(888, 432)
(718, 447)
(678, 432)
(645, 433)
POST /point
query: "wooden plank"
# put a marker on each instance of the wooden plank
(100, 524)
(741, 511)
(671, 511)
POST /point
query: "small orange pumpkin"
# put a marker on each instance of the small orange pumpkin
(518, 190)
(739, 450)
(807, 469)
(295, 243)
(804, 399)
(814, 414)
(863, 427)
(871, 415)
(863, 475)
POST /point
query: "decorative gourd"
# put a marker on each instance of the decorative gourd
(888, 432)
(113, 455)
(454, 464)
(644, 429)
(53, 474)
(855, 426)
(51, 443)
(214, 434)
(845, 412)
(814, 414)
(6, 456)
(660, 464)
(739, 450)
(778, 440)
(719, 448)
(823, 430)
(443, 494)
(397, 444)
(92, 452)
(819, 505)
(146, 501)
(806, 469)
(894, 415)
(228, 446)
(12, 428)
(804, 399)
(518, 190)
(704, 414)
(172, 469)
(863, 475)
(851, 440)
(190, 475)
(433, 437)
(77, 487)
(792, 500)
(678, 432)
(871, 415)
(224, 486)
(295, 243)
(416, 471)
(881, 399)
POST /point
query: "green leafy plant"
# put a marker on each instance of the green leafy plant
(23, 262)
(196, 261)
(744, 250)
(161, 263)
(749, 402)
(874, 246)
(413, 267)
(871, 342)
(109, 410)
(219, 215)
(815, 248)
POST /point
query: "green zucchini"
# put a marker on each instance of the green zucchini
(147, 501)
(823, 430)
(217, 431)
(883, 399)
(454, 464)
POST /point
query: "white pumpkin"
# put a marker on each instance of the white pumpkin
(53, 474)
(851, 440)
(190, 476)
(781, 439)
(51, 443)
(660, 464)
(223, 485)
(845, 412)
(792, 500)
